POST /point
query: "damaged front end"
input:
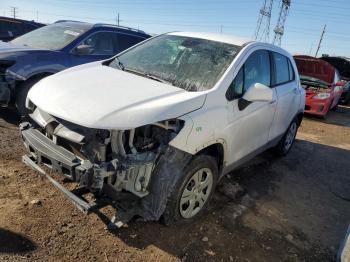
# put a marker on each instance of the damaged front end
(318, 95)
(117, 160)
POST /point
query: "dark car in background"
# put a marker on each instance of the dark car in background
(11, 28)
(343, 65)
(50, 49)
(345, 96)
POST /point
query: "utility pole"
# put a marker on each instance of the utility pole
(321, 38)
(262, 31)
(14, 11)
(279, 29)
(37, 16)
(221, 29)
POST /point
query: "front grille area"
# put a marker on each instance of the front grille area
(320, 108)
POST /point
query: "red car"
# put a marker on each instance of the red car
(322, 84)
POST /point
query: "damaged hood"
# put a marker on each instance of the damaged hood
(98, 96)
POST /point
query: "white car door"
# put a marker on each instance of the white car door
(288, 94)
(249, 127)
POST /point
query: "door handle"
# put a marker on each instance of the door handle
(273, 101)
(294, 90)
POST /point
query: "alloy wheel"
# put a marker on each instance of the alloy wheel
(290, 136)
(196, 192)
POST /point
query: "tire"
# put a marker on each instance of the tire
(287, 141)
(204, 167)
(21, 96)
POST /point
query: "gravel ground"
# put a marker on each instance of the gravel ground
(294, 208)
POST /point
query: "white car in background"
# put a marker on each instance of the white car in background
(159, 124)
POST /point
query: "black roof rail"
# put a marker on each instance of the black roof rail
(121, 27)
(62, 21)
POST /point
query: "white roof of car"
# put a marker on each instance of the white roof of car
(214, 37)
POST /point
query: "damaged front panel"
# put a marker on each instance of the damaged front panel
(123, 159)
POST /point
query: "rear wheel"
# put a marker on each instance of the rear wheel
(287, 141)
(193, 192)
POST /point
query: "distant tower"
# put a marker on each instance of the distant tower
(279, 29)
(262, 32)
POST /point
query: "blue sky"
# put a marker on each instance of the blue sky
(237, 17)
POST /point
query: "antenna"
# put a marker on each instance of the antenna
(321, 38)
(279, 29)
(262, 31)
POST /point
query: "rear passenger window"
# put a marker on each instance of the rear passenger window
(101, 43)
(10, 28)
(126, 41)
(281, 68)
(256, 69)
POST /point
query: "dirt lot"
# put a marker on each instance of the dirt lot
(294, 208)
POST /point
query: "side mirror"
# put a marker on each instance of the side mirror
(83, 50)
(256, 93)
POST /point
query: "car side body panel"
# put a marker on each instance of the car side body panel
(221, 121)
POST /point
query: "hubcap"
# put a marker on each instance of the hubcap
(196, 192)
(290, 136)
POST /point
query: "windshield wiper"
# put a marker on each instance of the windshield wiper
(153, 77)
(150, 76)
(120, 64)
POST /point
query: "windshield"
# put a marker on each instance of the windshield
(189, 63)
(53, 37)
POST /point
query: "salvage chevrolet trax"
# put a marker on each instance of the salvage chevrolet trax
(158, 125)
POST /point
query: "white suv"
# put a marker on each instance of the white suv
(158, 125)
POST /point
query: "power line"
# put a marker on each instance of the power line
(158, 21)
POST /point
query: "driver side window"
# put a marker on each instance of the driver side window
(256, 69)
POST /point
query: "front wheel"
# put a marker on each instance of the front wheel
(21, 96)
(287, 141)
(193, 191)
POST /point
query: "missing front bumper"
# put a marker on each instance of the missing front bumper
(121, 217)
(42, 151)
(131, 174)
(78, 202)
